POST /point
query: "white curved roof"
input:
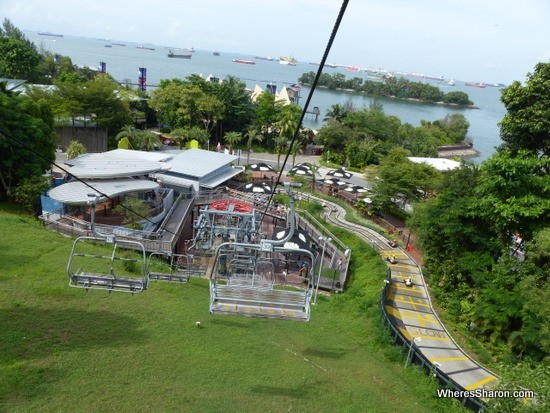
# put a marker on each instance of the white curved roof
(104, 166)
(76, 192)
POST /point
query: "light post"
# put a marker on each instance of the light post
(409, 355)
(208, 144)
(324, 240)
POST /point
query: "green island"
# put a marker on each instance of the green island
(391, 87)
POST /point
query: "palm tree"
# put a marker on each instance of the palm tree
(288, 120)
(148, 140)
(295, 150)
(315, 172)
(180, 135)
(251, 136)
(338, 112)
(199, 134)
(232, 138)
(281, 143)
(130, 133)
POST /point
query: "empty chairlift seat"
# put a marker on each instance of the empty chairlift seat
(108, 264)
(242, 283)
(166, 266)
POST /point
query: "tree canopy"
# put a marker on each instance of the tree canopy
(30, 122)
(19, 58)
(361, 137)
(485, 233)
(526, 124)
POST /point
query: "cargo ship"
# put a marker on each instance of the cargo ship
(244, 62)
(473, 84)
(178, 56)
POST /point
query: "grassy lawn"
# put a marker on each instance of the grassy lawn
(67, 350)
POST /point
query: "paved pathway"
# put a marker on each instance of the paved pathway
(410, 310)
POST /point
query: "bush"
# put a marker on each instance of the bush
(27, 193)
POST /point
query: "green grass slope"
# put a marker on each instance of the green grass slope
(67, 350)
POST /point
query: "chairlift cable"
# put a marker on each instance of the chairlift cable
(308, 100)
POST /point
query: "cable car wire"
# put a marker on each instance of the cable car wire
(308, 100)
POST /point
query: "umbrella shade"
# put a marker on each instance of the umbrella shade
(262, 167)
(303, 165)
(257, 188)
(356, 189)
(340, 173)
(300, 170)
(299, 240)
(335, 182)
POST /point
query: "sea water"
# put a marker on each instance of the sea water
(123, 63)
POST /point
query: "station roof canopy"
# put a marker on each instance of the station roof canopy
(118, 163)
(199, 163)
(199, 168)
(190, 168)
(76, 192)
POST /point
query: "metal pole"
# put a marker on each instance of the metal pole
(409, 355)
(325, 240)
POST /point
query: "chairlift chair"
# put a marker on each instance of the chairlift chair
(171, 267)
(119, 271)
(242, 279)
(246, 287)
(122, 270)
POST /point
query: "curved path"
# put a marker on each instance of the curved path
(410, 311)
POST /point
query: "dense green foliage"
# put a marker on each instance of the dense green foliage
(357, 138)
(196, 102)
(526, 124)
(134, 211)
(486, 240)
(402, 181)
(28, 192)
(390, 86)
(19, 58)
(74, 149)
(31, 123)
(466, 233)
(64, 349)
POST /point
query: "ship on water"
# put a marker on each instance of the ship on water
(244, 62)
(178, 56)
(331, 65)
(144, 47)
(288, 60)
(269, 58)
(475, 84)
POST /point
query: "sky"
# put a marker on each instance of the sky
(482, 40)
